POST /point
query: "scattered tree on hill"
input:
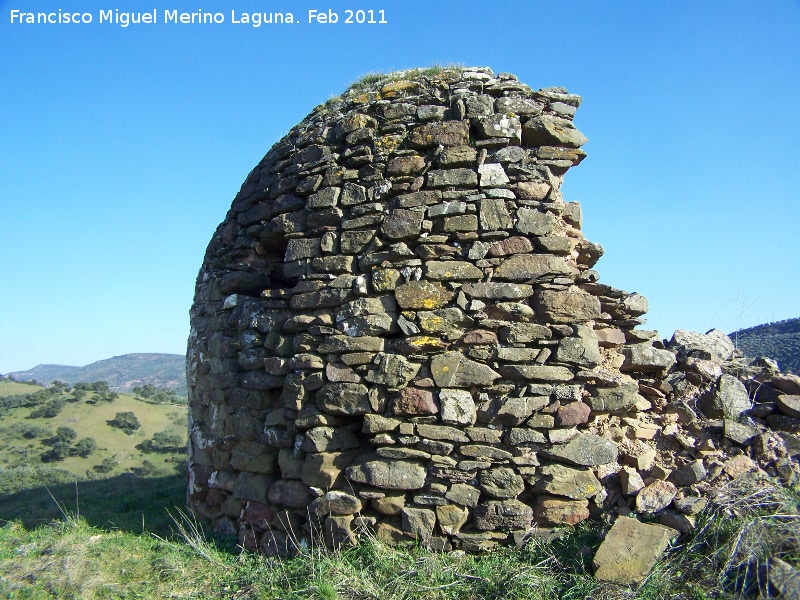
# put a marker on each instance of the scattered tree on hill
(145, 391)
(150, 393)
(146, 470)
(107, 465)
(108, 396)
(59, 451)
(30, 432)
(84, 447)
(48, 410)
(163, 442)
(60, 444)
(65, 434)
(60, 386)
(126, 421)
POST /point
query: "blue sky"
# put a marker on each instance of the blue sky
(122, 148)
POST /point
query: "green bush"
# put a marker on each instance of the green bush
(150, 393)
(58, 451)
(146, 470)
(66, 434)
(31, 431)
(84, 447)
(126, 421)
(107, 465)
(48, 410)
(163, 442)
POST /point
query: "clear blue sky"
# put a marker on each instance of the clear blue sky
(122, 148)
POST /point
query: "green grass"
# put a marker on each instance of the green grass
(376, 79)
(23, 440)
(116, 539)
(12, 388)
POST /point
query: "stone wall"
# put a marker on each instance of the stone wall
(397, 328)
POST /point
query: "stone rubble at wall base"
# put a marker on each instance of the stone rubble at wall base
(397, 328)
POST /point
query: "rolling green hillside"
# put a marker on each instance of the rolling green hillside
(122, 373)
(779, 341)
(12, 388)
(53, 427)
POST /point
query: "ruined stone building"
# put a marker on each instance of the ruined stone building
(398, 329)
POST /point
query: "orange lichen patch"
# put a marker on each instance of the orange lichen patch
(394, 88)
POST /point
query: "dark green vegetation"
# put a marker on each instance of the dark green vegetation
(127, 537)
(126, 421)
(122, 373)
(150, 393)
(779, 341)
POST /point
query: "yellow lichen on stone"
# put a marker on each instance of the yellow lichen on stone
(424, 340)
(431, 303)
(392, 89)
(355, 121)
(388, 143)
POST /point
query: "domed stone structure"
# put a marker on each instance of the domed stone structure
(397, 327)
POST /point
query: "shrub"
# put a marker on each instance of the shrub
(31, 431)
(65, 434)
(146, 470)
(164, 442)
(59, 386)
(150, 393)
(107, 465)
(48, 410)
(58, 451)
(126, 421)
(84, 447)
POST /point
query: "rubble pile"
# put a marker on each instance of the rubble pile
(397, 329)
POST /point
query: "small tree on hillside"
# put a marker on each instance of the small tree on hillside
(48, 410)
(60, 386)
(126, 421)
(65, 434)
(84, 447)
(107, 465)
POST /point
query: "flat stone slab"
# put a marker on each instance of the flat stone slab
(630, 550)
(584, 450)
(388, 474)
(521, 267)
(453, 369)
(789, 405)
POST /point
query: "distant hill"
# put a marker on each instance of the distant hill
(122, 373)
(779, 341)
(44, 373)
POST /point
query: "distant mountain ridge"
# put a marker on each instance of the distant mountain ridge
(122, 373)
(779, 340)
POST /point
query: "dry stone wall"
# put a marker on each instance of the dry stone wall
(397, 328)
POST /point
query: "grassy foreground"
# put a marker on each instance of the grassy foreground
(127, 537)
